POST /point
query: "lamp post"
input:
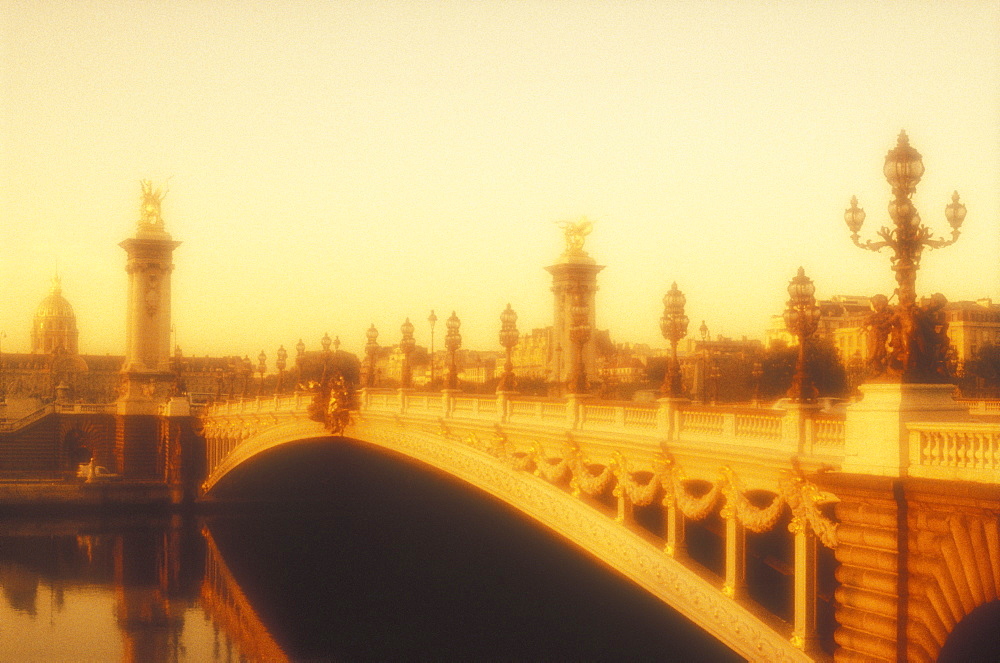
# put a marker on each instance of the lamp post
(673, 326)
(247, 374)
(325, 343)
(371, 349)
(300, 357)
(280, 363)
(406, 346)
(801, 319)
(261, 368)
(453, 341)
(508, 339)
(178, 366)
(579, 334)
(432, 319)
(916, 335)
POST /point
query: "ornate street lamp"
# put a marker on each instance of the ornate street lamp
(406, 346)
(371, 349)
(178, 366)
(508, 339)
(579, 334)
(246, 371)
(802, 319)
(453, 341)
(915, 334)
(673, 326)
(280, 363)
(300, 357)
(261, 368)
(432, 319)
(325, 343)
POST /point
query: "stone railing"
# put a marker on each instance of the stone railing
(987, 407)
(950, 451)
(287, 403)
(27, 420)
(85, 408)
(796, 431)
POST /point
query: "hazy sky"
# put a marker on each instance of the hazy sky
(335, 164)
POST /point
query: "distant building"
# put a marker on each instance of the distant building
(55, 368)
(837, 313)
(971, 325)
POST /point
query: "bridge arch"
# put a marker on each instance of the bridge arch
(752, 634)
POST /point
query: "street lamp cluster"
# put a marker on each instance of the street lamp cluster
(908, 342)
(673, 326)
(802, 319)
(508, 339)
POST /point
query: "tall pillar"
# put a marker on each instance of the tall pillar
(146, 375)
(574, 281)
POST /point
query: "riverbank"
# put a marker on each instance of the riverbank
(17, 494)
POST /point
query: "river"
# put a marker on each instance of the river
(375, 559)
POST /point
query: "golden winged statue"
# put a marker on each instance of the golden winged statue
(575, 233)
(151, 199)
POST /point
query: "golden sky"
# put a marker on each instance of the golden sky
(337, 164)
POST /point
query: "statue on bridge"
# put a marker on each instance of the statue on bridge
(150, 210)
(575, 233)
(908, 344)
(331, 403)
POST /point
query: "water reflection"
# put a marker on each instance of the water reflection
(118, 589)
(391, 564)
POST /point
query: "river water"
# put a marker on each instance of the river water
(375, 560)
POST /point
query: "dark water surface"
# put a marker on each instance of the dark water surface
(383, 561)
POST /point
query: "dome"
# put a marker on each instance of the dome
(54, 327)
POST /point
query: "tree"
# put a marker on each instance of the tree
(822, 361)
(982, 374)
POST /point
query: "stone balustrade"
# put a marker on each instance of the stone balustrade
(673, 421)
(955, 451)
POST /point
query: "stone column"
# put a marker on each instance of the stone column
(574, 275)
(146, 374)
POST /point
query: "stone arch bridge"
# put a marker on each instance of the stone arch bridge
(787, 534)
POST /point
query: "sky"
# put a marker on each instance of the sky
(333, 165)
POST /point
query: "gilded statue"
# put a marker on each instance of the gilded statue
(575, 234)
(878, 325)
(150, 210)
(908, 342)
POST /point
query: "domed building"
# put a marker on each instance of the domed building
(54, 329)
